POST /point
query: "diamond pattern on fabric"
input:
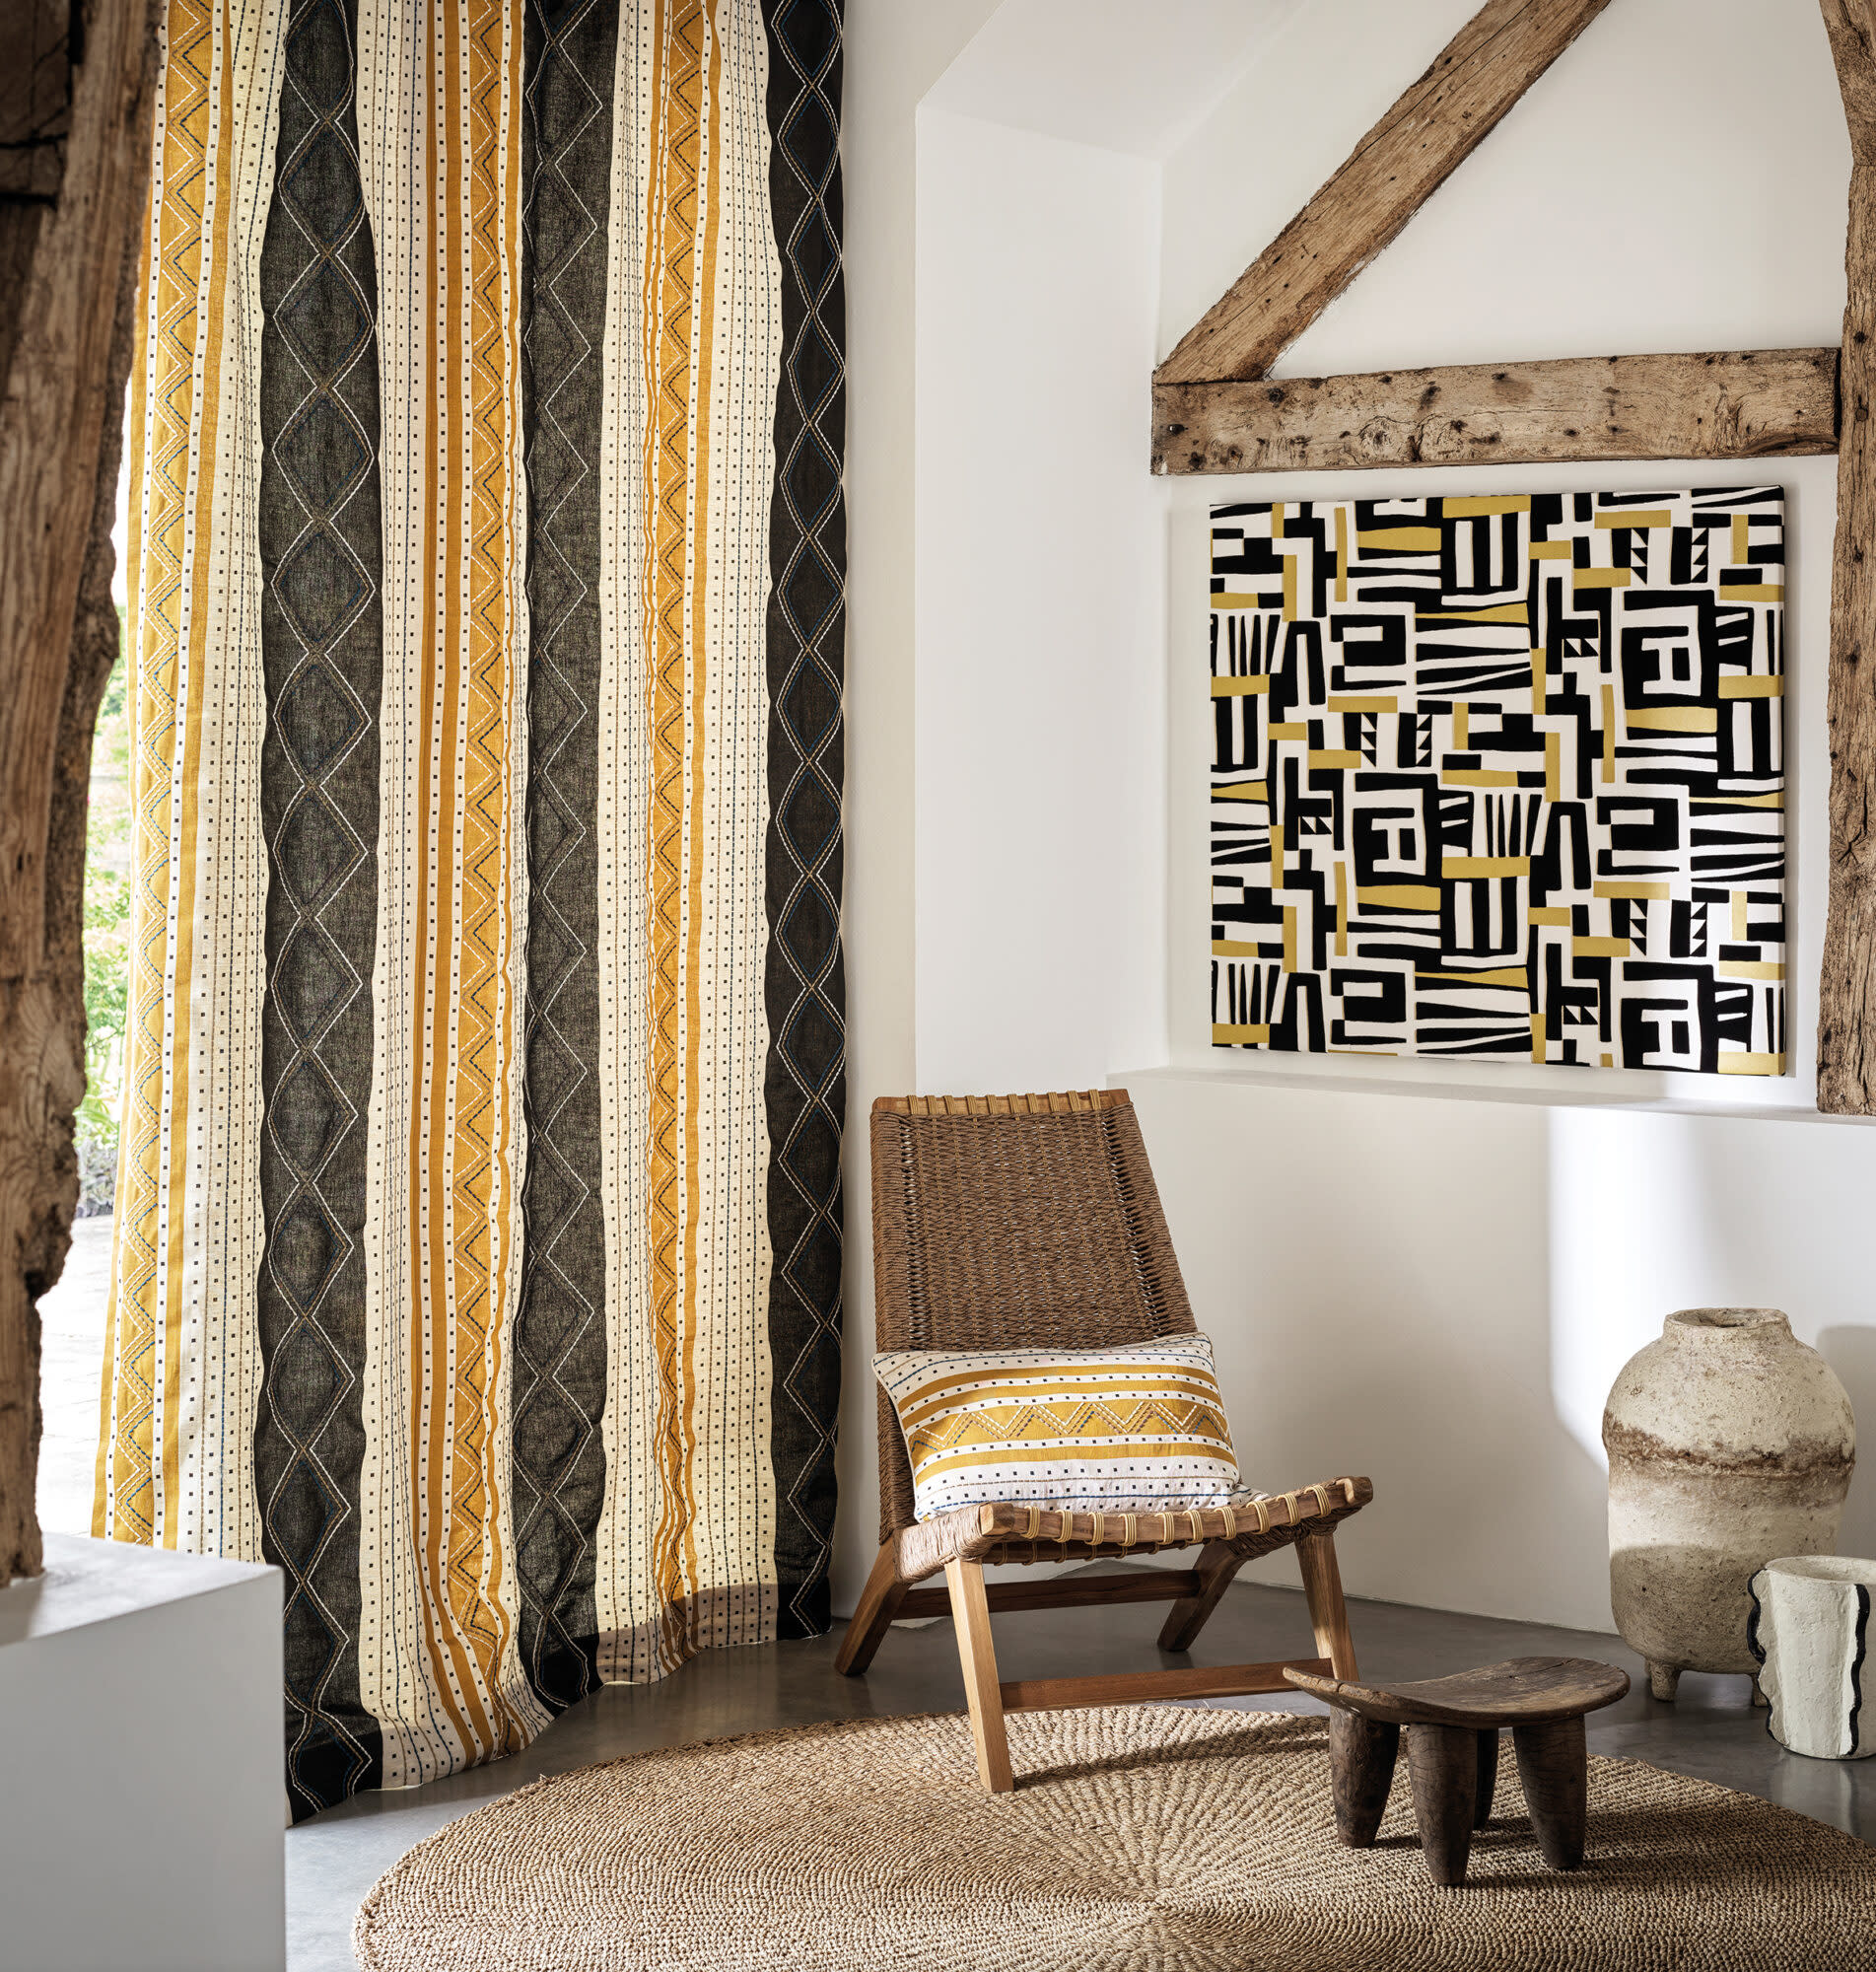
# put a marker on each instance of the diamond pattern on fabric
(321, 659)
(804, 1085)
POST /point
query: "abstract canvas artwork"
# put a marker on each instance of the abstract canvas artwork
(1502, 777)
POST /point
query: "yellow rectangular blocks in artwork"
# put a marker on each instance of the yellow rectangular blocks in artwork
(1488, 750)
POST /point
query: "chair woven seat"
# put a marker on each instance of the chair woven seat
(1031, 1222)
(1011, 1532)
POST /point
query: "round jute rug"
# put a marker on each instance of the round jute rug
(1139, 1839)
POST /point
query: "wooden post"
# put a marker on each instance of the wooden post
(1328, 1612)
(978, 1659)
(1362, 1756)
(1846, 986)
(1219, 1564)
(879, 1602)
(1553, 1765)
(68, 218)
(1434, 127)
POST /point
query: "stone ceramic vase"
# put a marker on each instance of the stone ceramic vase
(1730, 1442)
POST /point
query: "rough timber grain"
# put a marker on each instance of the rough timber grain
(1751, 403)
(1432, 128)
(1851, 26)
(1846, 984)
(65, 242)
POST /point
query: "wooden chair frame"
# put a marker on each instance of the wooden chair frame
(976, 1200)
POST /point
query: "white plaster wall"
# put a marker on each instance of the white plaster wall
(1459, 1257)
(1675, 181)
(1040, 707)
(895, 52)
(1426, 1272)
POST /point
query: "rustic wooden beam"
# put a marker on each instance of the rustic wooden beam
(64, 330)
(1846, 984)
(1749, 404)
(1851, 28)
(1430, 131)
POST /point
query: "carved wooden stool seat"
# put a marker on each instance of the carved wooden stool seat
(1452, 1751)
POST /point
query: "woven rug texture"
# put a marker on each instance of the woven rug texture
(1139, 1839)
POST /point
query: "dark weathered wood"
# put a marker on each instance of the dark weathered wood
(1748, 403)
(1362, 1756)
(1518, 1691)
(1432, 128)
(1452, 1751)
(1487, 1783)
(1219, 1564)
(1442, 1766)
(64, 331)
(1846, 983)
(1055, 1694)
(1062, 1592)
(1553, 1765)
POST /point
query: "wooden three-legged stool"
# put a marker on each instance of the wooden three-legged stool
(1452, 1752)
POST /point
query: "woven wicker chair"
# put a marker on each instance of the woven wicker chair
(1013, 1222)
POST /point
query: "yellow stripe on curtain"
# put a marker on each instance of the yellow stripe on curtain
(478, 1225)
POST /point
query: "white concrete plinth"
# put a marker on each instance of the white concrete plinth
(141, 1809)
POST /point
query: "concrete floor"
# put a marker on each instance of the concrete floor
(1711, 1731)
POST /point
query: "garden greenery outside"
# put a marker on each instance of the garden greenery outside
(107, 941)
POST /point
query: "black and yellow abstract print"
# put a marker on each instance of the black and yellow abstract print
(1502, 777)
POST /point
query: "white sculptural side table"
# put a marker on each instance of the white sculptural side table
(1809, 1626)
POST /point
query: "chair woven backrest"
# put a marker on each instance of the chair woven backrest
(1013, 1222)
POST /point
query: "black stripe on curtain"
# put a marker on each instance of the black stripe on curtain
(805, 1080)
(322, 654)
(560, 1339)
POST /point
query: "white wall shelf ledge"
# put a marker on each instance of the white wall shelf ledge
(1780, 1098)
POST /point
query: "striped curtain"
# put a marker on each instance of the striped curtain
(478, 1222)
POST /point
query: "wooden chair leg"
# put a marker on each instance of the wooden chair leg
(970, 1614)
(1442, 1762)
(1553, 1765)
(1328, 1613)
(1362, 1756)
(1189, 1615)
(1487, 1779)
(873, 1618)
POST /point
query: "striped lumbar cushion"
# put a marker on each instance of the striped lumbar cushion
(1135, 1429)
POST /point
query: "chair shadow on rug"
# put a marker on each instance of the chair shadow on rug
(1230, 1745)
(1016, 1221)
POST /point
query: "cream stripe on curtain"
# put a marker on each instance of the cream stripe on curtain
(477, 1241)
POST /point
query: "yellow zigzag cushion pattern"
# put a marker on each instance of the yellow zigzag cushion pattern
(1135, 1429)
